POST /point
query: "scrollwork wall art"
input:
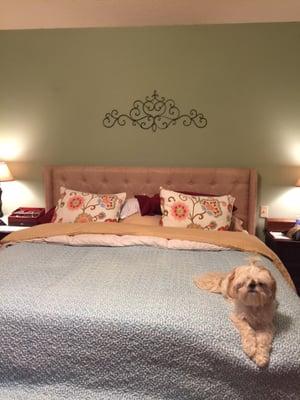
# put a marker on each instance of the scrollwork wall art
(154, 113)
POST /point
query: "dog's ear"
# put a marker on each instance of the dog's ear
(230, 289)
(273, 284)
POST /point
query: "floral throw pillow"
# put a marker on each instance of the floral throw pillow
(75, 206)
(203, 212)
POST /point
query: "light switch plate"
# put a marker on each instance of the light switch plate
(264, 211)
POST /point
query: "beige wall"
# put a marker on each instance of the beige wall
(56, 86)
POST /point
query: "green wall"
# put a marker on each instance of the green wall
(56, 86)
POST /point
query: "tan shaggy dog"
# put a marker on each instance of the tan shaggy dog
(252, 290)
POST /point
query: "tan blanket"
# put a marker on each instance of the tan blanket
(234, 240)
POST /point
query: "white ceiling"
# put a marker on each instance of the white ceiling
(28, 14)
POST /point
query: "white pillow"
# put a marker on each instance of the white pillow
(130, 207)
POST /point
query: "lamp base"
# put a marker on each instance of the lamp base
(1, 213)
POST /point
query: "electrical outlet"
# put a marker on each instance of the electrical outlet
(264, 211)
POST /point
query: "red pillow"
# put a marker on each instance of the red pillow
(151, 205)
(46, 218)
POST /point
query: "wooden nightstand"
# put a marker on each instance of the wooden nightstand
(287, 250)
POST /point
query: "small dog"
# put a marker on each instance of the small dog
(252, 290)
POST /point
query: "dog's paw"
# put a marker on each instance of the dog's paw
(262, 360)
(249, 344)
(249, 347)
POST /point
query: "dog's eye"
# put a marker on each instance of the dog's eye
(261, 284)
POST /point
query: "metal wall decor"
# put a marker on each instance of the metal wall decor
(154, 113)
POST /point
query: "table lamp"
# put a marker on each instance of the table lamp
(5, 176)
(298, 216)
(294, 232)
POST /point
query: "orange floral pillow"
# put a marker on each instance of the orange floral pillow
(75, 206)
(188, 211)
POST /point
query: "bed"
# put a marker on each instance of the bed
(110, 310)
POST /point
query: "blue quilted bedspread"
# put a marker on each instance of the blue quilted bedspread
(128, 323)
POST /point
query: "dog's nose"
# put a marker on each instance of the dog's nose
(252, 285)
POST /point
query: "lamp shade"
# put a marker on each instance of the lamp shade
(5, 174)
(298, 182)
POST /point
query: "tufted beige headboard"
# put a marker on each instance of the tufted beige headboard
(239, 182)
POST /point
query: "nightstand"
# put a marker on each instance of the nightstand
(288, 250)
(6, 229)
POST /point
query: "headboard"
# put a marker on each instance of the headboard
(239, 182)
